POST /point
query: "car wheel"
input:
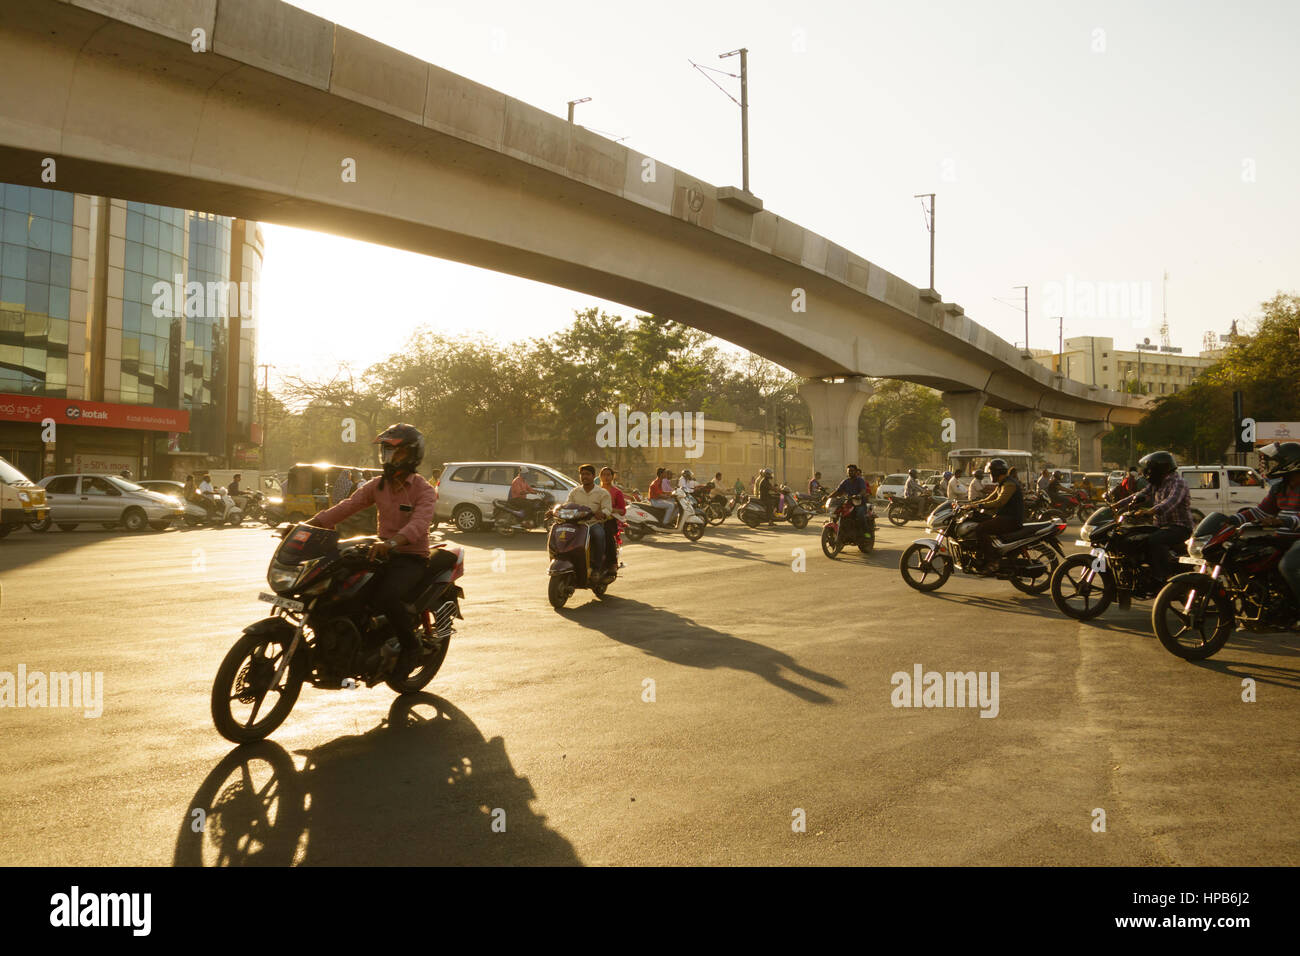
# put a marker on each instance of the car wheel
(467, 518)
(133, 519)
(40, 526)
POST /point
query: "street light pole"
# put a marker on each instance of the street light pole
(931, 197)
(1026, 288)
(744, 113)
(573, 103)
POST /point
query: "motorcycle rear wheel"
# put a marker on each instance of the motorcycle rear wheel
(749, 520)
(246, 669)
(896, 516)
(419, 678)
(1184, 634)
(635, 532)
(716, 514)
(799, 521)
(1044, 555)
(922, 575)
(1090, 598)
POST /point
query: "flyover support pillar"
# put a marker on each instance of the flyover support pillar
(1090, 435)
(835, 407)
(965, 407)
(1020, 429)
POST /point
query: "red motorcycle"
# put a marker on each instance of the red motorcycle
(842, 528)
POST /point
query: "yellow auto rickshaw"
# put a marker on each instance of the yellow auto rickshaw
(308, 488)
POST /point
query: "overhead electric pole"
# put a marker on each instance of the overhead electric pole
(744, 113)
(931, 227)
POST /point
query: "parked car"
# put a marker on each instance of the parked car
(893, 485)
(21, 500)
(466, 489)
(1226, 488)
(107, 500)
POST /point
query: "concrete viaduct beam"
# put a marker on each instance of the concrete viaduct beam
(835, 408)
(1020, 428)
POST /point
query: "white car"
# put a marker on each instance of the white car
(1225, 488)
(466, 489)
(893, 484)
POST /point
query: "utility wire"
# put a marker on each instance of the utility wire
(715, 82)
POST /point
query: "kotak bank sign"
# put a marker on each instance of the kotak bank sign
(35, 409)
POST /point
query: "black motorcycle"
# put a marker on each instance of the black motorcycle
(324, 629)
(569, 546)
(1115, 567)
(1236, 582)
(844, 529)
(902, 510)
(507, 518)
(1026, 557)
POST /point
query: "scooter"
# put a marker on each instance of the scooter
(506, 520)
(227, 511)
(754, 514)
(568, 543)
(644, 518)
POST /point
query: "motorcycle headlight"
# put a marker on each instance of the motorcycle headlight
(276, 501)
(1085, 533)
(282, 579)
(1196, 547)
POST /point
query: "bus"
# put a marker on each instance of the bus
(969, 459)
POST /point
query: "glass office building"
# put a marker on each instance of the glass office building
(109, 308)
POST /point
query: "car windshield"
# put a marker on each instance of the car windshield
(896, 480)
(123, 483)
(9, 475)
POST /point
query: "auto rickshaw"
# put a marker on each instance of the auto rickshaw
(306, 490)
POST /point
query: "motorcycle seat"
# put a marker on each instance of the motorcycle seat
(1028, 530)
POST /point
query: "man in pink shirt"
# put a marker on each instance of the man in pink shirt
(519, 491)
(404, 502)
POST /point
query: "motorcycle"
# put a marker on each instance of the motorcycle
(754, 514)
(721, 507)
(1236, 582)
(645, 518)
(324, 630)
(568, 543)
(842, 528)
(1115, 567)
(506, 520)
(902, 510)
(252, 504)
(1027, 557)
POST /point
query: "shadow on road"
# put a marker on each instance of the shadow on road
(419, 789)
(1288, 677)
(679, 640)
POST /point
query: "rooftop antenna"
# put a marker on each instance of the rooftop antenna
(1209, 341)
(1164, 312)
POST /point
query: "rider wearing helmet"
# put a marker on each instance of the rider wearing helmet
(1168, 503)
(913, 487)
(687, 481)
(1281, 507)
(766, 496)
(1008, 501)
(404, 502)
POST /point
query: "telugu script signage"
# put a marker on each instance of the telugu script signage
(71, 411)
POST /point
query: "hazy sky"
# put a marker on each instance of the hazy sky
(1093, 142)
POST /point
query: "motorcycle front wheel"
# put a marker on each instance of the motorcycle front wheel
(1196, 632)
(1075, 595)
(799, 521)
(693, 532)
(921, 574)
(558, 590)
(244, 680)
(831, 547)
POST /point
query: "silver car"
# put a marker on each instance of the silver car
(107, 500)
(466, 489)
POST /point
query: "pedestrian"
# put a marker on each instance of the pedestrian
(342, 489)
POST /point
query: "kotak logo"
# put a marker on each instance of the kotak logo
(72, 411)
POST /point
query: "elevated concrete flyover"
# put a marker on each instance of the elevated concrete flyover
(266, 121)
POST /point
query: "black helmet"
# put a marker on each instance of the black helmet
(400, 436)
(1156, 465)
(912, 472)
(1280, 460)
(997, 468)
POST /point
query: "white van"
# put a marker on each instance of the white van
(1225, 488)
(21, 500)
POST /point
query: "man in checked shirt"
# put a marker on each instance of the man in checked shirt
(1167, 501)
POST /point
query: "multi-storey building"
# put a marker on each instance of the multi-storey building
(127, 335)
(1095, 361)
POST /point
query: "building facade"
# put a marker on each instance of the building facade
(1095, 361)
(127, 335)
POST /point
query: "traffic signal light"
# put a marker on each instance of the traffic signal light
(780, 431)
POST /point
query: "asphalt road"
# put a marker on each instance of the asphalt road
(772, 696)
